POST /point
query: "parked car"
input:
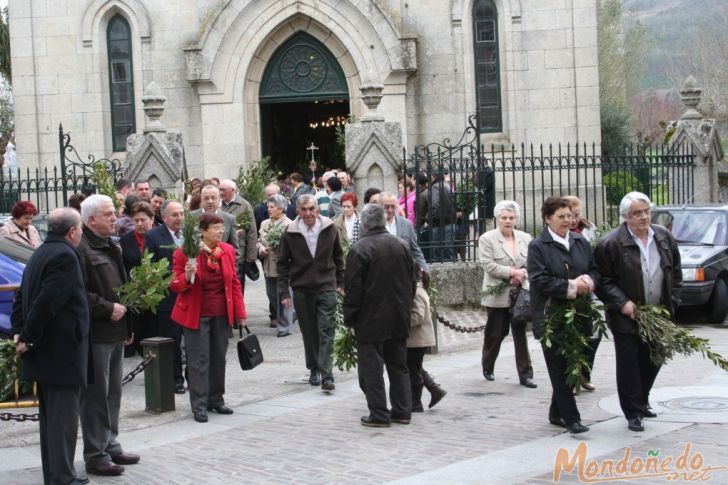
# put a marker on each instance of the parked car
(701, 231)
(11, 273)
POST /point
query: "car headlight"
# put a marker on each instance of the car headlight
(693, 274)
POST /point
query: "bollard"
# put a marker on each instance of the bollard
(158, 375)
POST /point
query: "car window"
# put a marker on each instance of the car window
(703, 227)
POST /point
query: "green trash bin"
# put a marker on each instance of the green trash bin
(159, 375)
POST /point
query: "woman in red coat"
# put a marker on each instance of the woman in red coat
(206, 306)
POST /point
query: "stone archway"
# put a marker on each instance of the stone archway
(303, 97)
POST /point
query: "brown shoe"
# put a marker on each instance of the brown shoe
(588, 386)
(125, 458)
(107, 469)
(436, 392)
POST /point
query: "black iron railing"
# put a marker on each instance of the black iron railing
(471, 179)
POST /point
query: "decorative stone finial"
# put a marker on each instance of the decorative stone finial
(371, 94)
(153, 101)
(690, 95)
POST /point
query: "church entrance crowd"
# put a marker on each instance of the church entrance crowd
(318, 247)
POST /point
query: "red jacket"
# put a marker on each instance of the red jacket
(186, 311)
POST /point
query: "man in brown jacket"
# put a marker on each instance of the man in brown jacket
(311, 261)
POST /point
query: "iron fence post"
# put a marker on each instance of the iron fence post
(62, 149)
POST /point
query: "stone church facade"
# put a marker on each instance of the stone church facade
(233, 71)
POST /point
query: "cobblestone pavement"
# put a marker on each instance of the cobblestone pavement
(285, 431)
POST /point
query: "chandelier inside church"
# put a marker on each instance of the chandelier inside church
(328, 123)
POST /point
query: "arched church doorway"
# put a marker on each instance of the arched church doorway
(303, 98)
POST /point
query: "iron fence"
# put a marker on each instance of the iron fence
(456, 185)
(49, 188)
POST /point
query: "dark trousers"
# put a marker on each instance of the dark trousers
(590, 354)
(206, 348)
(144, 325)
(58, 418)
(167, 328)
(563, 404)
(391, 354)
(271, 290)
(635, 373)
(316, 318)
(496, 330)
(100, 404)
(415, 355)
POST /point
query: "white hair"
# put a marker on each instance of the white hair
(507, 205)
(629, 199)
(91, 205)
(229, 182)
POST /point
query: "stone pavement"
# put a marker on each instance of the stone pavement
(285, 431)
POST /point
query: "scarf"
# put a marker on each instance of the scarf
(213, 256)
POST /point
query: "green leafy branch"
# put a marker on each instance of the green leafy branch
(147, 286)
(105, 184)
(495, 289)
(666, 339)
(345, 356)
(10, 371)
(252, 182)
(191, 235)
(564, 326)
(242, 221)
(273, 236)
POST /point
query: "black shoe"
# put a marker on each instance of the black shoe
(488, 376)
(635, 424)
(557, 422)
(374, 423)
(179, 388)
(400, 420)
(83, 480)
(283, 334)
(529, 383)
(417, 407)
(328, 384)
(107, 468)
(315, 379)
(220, 409)
(648, 412)
(576, 428)
(200, 416)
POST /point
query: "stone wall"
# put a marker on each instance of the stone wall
(207, 58)
(459, 283)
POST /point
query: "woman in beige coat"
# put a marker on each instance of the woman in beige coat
(280, 318)
(422, 336)
(503, 252)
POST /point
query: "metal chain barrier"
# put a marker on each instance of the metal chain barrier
(459, 328)
(138, 369)
(18, 417)
(128, 378)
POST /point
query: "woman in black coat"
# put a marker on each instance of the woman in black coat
(561, 267)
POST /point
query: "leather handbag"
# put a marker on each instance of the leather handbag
(521, 306)
(249, 351)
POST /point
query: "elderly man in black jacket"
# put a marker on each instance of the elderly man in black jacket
(380, 288)
(51, 327)
(103, 271)
(640, 264)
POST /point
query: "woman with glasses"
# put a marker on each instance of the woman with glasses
(561, 267)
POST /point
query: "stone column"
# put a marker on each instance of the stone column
(693, 129)
(156, 155)
(373, 146)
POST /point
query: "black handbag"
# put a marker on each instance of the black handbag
(249, 351)
(250, 269)
(521, 306)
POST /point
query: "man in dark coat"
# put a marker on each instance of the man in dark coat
(161, 242)
(103, 271)
(51, 329)
(380, 288)
(640, 264)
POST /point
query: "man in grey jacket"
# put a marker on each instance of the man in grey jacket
(401, 227)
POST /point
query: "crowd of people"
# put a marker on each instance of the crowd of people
(316, 248)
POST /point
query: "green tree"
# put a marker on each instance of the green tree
(622, 45)
(5, 46)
